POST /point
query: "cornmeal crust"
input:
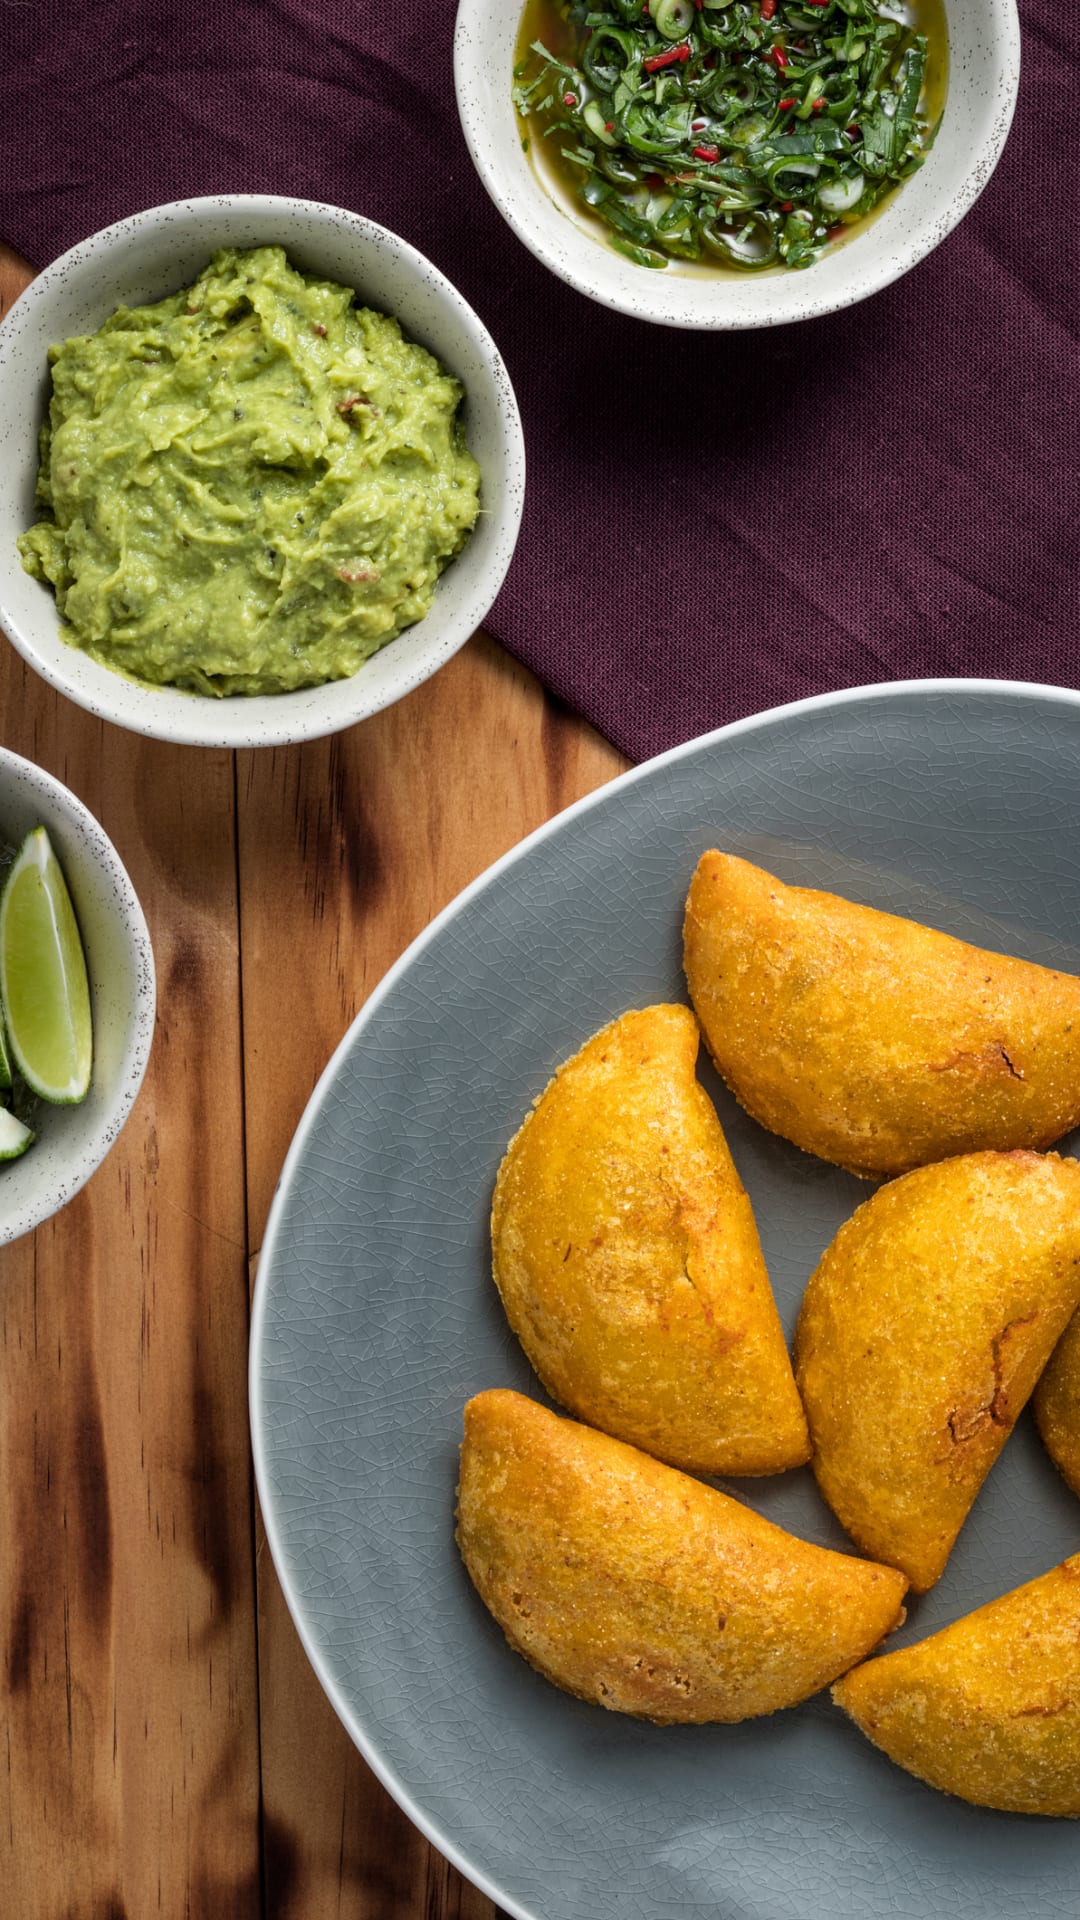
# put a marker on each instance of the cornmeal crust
(1057, 1405)
(637, 1588)
(989, 1708)
(869, 1040)
(626, 1255)
(921, 1336)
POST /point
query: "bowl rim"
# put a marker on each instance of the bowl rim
(140, 1029)
(367, 1743)
(891, 266)
(283, 719)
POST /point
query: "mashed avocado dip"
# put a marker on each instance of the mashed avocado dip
(250, 486)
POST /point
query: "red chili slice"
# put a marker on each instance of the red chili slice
(706, 153)
(666, 59)
(778, 57)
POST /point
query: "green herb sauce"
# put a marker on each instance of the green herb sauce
(248, 487)
(694, 134)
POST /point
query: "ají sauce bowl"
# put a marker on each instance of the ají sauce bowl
(984, 73)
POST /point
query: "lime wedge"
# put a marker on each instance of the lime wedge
(43, 984)
(14, 1137)
(5, 1056)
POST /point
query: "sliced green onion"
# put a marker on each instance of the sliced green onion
(754, 245)
(606, 56)
(745, 132)
(597, 125)
(840, 195)
(784, 175)
(641, 256)
(674, 18)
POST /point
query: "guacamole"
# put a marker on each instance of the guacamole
(250, 486)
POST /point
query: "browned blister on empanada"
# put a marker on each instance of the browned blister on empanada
(626, 1254)
(921, 1336)
(989, 1708)
(869, 1040)
(639, 1589)
(1057, 1404)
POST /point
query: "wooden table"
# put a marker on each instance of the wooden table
(165, 1748)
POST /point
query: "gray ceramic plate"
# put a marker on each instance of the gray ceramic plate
(957, 803)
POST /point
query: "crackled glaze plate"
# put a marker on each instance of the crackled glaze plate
(954, 802)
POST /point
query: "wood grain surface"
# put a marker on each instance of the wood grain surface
(164, 1746)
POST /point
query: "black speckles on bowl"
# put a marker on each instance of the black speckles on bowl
(73, 1141)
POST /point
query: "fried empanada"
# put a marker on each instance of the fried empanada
(626, 1254)
(870, 1040)
(921, 1336)
(1057, 1405)
(989, 1708)
(634, 1587)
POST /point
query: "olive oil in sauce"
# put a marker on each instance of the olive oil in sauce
(550, 23)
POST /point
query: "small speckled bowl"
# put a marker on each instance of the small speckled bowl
(73, 1141)
(156, 253)
(984, 73)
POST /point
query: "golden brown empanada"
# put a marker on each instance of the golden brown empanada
(635, 1587)
(870, 1040)
(921, 1336)
(1057, 1404)
(989, 1708)
(626, 1254)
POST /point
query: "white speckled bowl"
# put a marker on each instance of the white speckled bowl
(154, 254)
(984, 73)
(73, 1141)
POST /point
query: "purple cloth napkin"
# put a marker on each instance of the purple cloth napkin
(714, 523)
